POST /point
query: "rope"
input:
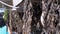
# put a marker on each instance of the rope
(8, 5)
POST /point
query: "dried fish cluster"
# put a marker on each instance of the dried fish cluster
(37, 17)
(51, 18)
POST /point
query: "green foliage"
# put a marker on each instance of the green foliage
(5, 15)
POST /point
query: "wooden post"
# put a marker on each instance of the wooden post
(10, 23)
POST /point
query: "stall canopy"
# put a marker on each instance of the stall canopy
(16, 2)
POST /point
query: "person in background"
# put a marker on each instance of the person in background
(3, 27)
